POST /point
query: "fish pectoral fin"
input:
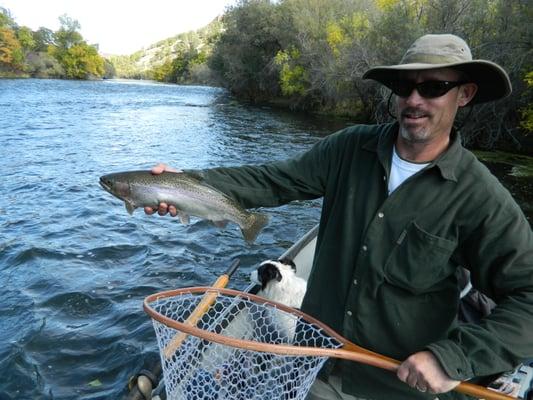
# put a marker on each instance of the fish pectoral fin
(130, 207)
(184, 218)
(220, 224)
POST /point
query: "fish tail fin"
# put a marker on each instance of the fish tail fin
(255, 223)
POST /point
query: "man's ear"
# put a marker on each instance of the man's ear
(467, 91)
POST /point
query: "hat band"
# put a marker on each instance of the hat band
(431, 59)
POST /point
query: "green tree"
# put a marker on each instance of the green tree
(43, 37)
(6, 21)
(82, 61)
(329, 37)
(11, 55)
(109, 69)
(244, 56)
(78, 59)
(67, 35)
(25, 37)
(527, 110)
(163, 72)
(293, 77)
(126, 66)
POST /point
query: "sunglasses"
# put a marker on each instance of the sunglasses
(427, 89)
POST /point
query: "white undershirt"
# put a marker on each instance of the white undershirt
(401, 170)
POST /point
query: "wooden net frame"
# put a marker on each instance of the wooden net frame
(242, 347)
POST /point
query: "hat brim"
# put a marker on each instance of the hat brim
(492, 80)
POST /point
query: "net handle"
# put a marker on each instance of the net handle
(350, 351)
(204, 306)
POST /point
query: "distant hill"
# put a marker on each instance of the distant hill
(180, 59)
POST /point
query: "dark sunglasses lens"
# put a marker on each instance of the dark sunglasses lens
(427, 89)
(432, 89)
(402, 88)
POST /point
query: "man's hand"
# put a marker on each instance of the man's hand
(164, 208)
(423, 371)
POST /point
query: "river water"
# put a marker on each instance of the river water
(74, 266)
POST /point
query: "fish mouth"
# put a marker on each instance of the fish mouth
(105, 184)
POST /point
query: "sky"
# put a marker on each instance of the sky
(119, 26)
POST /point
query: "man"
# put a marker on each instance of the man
(404, 206)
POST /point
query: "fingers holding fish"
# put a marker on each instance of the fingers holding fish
(162, 210)
(163, 207)
(172, 210)
(149, 210)
(162, 167)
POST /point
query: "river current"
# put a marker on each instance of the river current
(74, 266)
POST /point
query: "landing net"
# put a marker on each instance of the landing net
(234, 348)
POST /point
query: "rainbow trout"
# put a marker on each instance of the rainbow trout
(188, 194)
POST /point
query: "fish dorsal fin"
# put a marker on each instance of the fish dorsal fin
(130, 207)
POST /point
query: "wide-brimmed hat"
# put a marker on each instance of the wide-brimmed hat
(448, 51)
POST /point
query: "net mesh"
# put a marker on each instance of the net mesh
(203, 369)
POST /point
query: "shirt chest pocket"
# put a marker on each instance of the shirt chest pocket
(419, 260)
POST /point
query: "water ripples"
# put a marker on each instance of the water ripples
(74, 265)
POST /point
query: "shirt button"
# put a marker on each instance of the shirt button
(381, 215)
(384, 177)
(349, 313)
(355, 282)
(365, 248)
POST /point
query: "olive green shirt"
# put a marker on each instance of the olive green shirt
(384, 273)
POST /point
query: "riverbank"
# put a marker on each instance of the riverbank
(24, 75)
(515, 172)
(14, 75)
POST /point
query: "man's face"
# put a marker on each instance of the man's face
(423, 119)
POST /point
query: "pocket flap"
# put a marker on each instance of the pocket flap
(419, 260)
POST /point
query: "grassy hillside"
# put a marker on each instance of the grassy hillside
(178, 59)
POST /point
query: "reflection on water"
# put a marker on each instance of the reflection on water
(74, 265)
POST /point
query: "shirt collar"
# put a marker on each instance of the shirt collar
(446, 163)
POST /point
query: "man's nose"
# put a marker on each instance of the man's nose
(413, 98)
